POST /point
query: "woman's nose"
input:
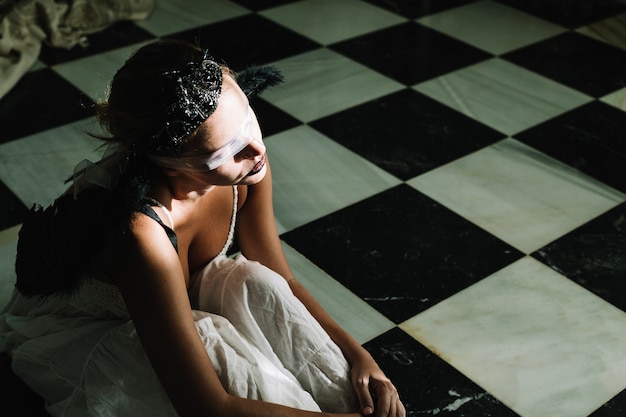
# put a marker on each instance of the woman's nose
(255, 148)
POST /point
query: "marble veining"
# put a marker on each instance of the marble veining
(323, 82)
(428, 384)
(305, 163)
(491, 26)
(356, 316)
(400, 251)
(588, 138)
(532, 341)
(611, 30)
(519, 194)
(407, 133)
(502, 95)
(325, 20)
(594, 255)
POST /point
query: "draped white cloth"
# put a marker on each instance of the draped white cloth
(81, 352)
(26, 24)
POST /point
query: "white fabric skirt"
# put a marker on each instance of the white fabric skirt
(262, 341)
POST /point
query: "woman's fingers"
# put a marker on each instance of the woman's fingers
(364, 395)
(387, 400)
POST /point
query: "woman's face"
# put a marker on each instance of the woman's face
(231, 140)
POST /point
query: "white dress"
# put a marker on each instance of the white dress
(81, 352)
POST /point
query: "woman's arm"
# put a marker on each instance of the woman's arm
(259, 240)
(151, 279)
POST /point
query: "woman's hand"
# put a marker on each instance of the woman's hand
(377, 396)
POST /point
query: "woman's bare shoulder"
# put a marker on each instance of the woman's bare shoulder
(142, 249)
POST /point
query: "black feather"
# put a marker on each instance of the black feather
(56, 244)
(254, 79)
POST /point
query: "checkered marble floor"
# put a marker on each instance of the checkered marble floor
(450, 180)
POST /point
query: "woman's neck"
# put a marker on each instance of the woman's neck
(179, 188)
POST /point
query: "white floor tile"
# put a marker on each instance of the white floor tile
(491, 26)
(329, 21)
(518, 194)
(171, 16)
(93, 74)
(535, 340)
(35, 168)
(616, 99)
(611, 30)
(323, 82)
(8, 251)
(314, 176)
(502, 95)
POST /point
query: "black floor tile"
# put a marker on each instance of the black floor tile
(410, 53)
(118, 35)
(12, 210)
(613, 408)
(569, 13)
(247, 40)
(407, 133)
(578, 61)
(427, 385)
(272, 119)
(590, 138)
(594, 256)
(257, 5)
(413, 9)
(400, 251)
(41, 100)
(18, 394)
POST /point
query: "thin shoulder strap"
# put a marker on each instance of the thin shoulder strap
(149, 211)
(233, 221)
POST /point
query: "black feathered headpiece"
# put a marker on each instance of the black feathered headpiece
(191, 95)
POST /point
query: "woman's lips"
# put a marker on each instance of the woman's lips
(257, 167)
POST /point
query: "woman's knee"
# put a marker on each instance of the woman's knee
(255, 278)
(240, 283)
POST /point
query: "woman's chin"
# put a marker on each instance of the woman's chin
(254, 176)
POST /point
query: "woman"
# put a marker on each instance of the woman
(132, 306)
